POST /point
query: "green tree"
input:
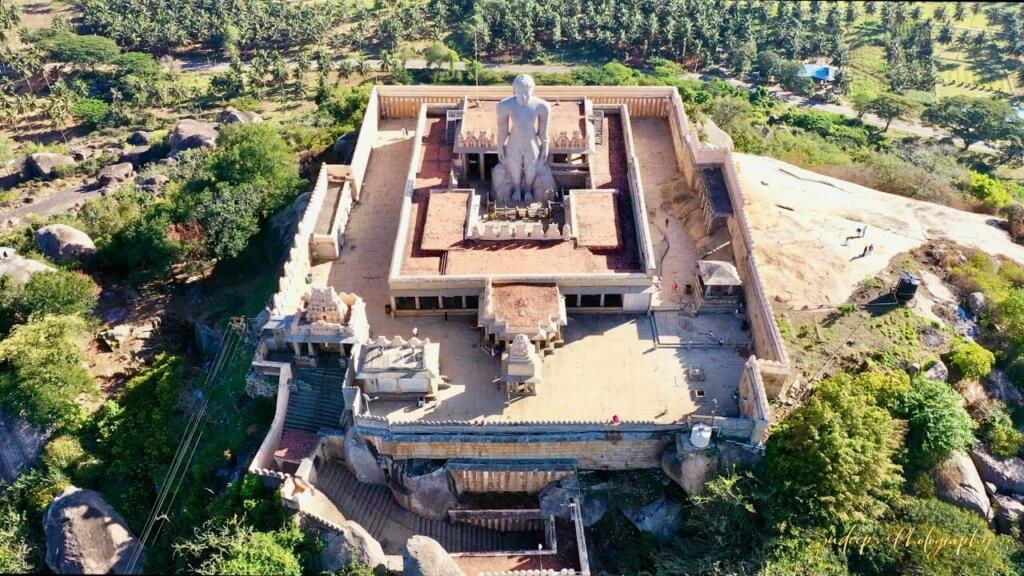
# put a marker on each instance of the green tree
(973, 119)
(58, 292)
(252, 173)
(91, 111)
(939, 423)
(830, 462)
(891, 107)
(15, 549)
(235, 548)
(992, 191)
(791, 79)
(41, 371)
(87, 50)
(768, 65)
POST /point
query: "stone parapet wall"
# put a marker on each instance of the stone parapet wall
(754, 401)
(646, 247)
(263, 462)
(292, 285)
(625, 452)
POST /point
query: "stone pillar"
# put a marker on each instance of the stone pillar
(297, 348)
(312, 352)
(483, 167)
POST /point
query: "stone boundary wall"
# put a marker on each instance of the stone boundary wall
(754, 401)
(636, 192)
(364, 143)
(773, 359)
(292, 285)
(263, 462)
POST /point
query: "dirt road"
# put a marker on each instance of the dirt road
(59, 201)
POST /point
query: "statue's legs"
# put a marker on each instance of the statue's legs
(531, 174)
(515, 175)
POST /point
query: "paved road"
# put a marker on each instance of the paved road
(208, 65)
(58, 202)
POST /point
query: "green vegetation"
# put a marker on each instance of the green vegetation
(234, 548)
(59, 292)
(830, 462)
(41, 371)
(971, 360)
(938, 423)
(974, 119)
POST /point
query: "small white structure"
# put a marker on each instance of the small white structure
(399, 367)
(700, 436)
(521, 367)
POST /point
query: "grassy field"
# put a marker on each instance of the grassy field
(961, 71)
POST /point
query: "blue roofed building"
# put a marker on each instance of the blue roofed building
(819, 72)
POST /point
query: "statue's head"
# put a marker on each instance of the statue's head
(523, 87)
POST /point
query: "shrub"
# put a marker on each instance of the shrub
(971, 359)
(1004, 439)
(939, 423)
(992, 192)
(63, 453)
(830, 462)
(86, 50)
(234, 548)
(58, 292)
(41, 371)
(886, 388)
(94, 113)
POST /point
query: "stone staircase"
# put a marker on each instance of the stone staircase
(316, 402)
(374, 508)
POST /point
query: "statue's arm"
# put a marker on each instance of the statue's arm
(502, 131)
(542, 130)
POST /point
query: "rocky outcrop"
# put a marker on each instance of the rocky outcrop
(1006, 474)
(1008, 513)
(138, 155)
(20, 446)
(555, 497)
(18, 267)
(45, 164)
(593, 506)
(360, 462)
(975, 303)
(154, 184)
(691, 470)
(116, 173)
(140, 138)
(423, 556)
(939, 372)
(190, 133)
(999, 386)
(235, 116)
(85, 535)
(351, 543)
(207, 340)
(62, 243)
(428, 495)
(957, 482)
(661, 518)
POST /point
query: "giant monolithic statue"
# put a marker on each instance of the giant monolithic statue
(523, 174)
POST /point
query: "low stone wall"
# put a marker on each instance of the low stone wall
(263, 462)
(754, 401)
(644, 243)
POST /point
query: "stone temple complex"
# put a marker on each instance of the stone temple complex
(492, 297)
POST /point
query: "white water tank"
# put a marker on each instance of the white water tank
(700, 436)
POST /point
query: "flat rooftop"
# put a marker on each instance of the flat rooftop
(482, 258)
(594, 219)
(635, 367)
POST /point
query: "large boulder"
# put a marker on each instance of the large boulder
(424, 556)
(351, 543)
(154, 184)
(1008, 513)
(116, 173)
(957, 482)
(691, 470)
(140, 138)
(20, 445)
(1006, 474)
(428, 495)
(360, 462)
(190, 133)
(19, 268)
(939, 371)
(45, 164)
(235, 116)
(594, 505)
(207, 340)
(661, 518)
(137, 155)
(85, 535)
(975, 303)
(999, 386)
(555, 497)
(62, 243)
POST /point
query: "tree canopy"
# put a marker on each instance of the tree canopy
(974, 119)
(830, 462)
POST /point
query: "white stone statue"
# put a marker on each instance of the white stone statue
(522, 141)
